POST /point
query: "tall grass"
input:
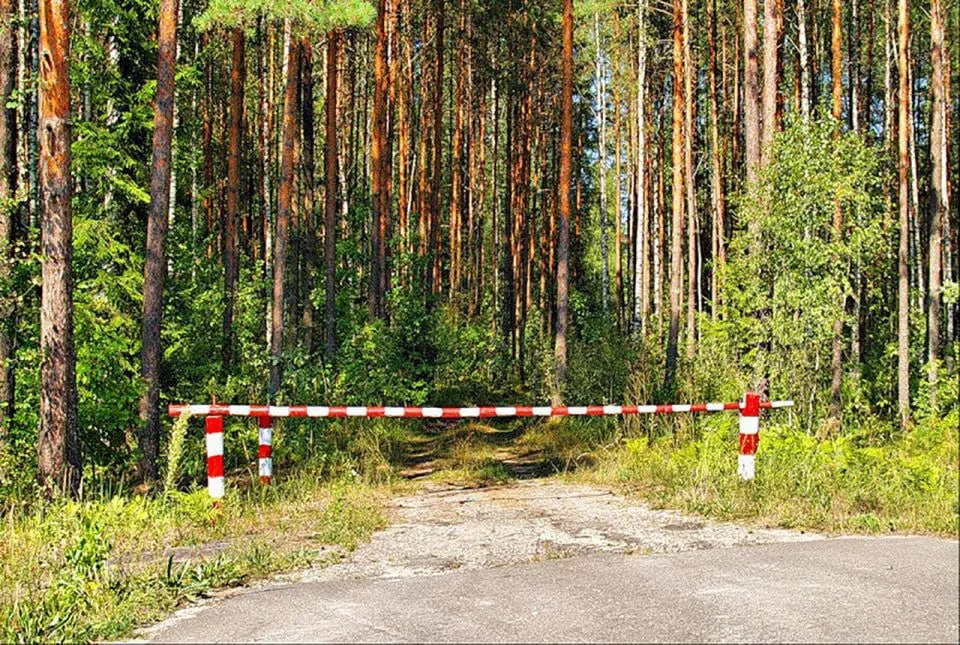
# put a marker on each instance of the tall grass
(862, 481)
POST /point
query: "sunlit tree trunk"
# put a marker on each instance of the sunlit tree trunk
(618, 210)
(903, 165)
(58, 444)
(602, 145)
(804, 58)
(566, 177)
(771, 22)
(284, 207)
(836, 66)
(938, 183)
(688, 170)
(853, 66)
(456, 160)
(207, 142)
(751, 98)
(676, 244)
(437, 169)
(231, 263)
(640, 244)
(404, 109)
(155, 265)
(717, 196)
(377, 153)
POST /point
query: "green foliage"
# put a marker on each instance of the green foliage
(787, 283)
(175, 450)
(315, 17)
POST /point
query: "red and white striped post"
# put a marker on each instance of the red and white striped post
(749, 435)
(214, 426)
(265, 451)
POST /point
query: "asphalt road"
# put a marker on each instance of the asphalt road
(834, 590)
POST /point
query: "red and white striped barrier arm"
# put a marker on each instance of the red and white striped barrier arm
(484, 412)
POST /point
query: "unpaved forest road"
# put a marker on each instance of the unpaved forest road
(542, 560)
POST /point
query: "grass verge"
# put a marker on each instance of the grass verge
(873, 480)
(80, 571)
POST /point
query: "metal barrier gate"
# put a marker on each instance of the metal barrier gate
(749, 408)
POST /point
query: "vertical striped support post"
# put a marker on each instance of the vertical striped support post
(749, 435)
(265, 452)
(215, 457)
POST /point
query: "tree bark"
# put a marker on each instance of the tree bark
(771, 23)
(309, 218)
(641, 302)
(836, 66)
(676, 245)
(566, 165)
(717, 188)
(330, 221)
(938, 196)
(155, 265)
(751, 97)
(8, 209)
(456, 160)
(602, 145)
(688, 170)
(58, 444)
(804, 59)
(377, 151)
(284, 206)
(437, 169)
(231, 263)
(903, 166)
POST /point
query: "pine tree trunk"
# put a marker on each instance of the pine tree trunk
(717, 196)
(58, 444)
(836, 66)
(566, 178)
(938, 183)
(751, 98)
(231, 263)
(640, 243)
(377, 153)
(437, 170)
(771, 22)
(676, 245)
(284, 207)
(330, 210)
(8, 214)
(425, 157)
(853, 69)
(804, 59)
(266, 163)
(309, 191)
(903, 259)
(602, 145)
(688, 170)
(618, 233)
(456, 161)
(404, 107)
(155, 266)
(207, 143)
